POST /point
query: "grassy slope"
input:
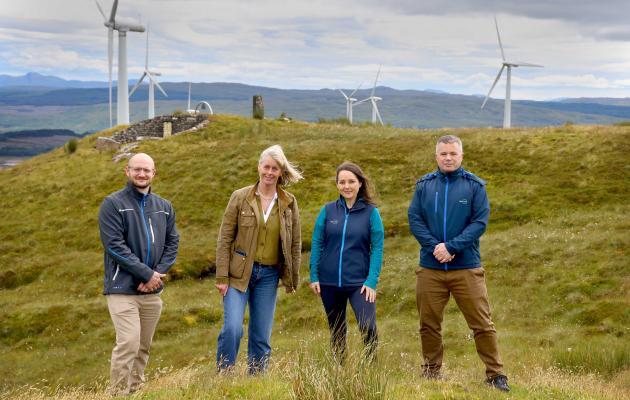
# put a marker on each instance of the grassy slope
(556, 254)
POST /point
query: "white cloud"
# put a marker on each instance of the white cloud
(51, 57)
(324, 43)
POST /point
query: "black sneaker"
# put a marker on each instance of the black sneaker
(499, 382)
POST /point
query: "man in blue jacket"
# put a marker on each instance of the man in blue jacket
(447, 215)
(140, 240)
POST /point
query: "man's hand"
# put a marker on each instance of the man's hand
(222, 288)
(153, 284)
(441, 254)
(315, 288)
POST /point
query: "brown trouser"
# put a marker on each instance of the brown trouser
(468, 286)
(135, 318)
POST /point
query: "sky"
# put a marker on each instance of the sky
(441, 45)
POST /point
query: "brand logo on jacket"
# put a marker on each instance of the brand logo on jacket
(333, 221)
(463, 201)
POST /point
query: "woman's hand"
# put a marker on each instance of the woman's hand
(315, 288)
(370, 294)
(222, 288)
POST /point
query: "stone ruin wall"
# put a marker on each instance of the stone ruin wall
(152, 129)
(155, 127)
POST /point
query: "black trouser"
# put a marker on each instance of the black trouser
(335, 300)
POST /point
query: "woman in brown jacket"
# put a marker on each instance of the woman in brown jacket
(259, 243)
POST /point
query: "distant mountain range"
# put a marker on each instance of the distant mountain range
(35, 79)
(35, 101)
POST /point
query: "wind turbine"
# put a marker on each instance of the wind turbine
(152, 82)
(507, 110)
(122, 25)
(373, 99)
(349, 103)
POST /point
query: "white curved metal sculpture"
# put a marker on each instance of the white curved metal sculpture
(203, 107)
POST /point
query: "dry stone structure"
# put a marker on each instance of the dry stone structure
(154, 128)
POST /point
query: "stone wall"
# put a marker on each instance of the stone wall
(154, 128)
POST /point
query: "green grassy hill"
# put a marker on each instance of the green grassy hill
(556, 255)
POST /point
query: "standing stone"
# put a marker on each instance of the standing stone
(259, 107)
(168, 129)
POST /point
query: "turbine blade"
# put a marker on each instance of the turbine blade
(355, 90)
(100, 10)
(137, 85)
(378, 114)
(496, 24)
(376, 80)
(493, 85)
(524, 64)
(344, 95)
(157, 84)
(112, 16)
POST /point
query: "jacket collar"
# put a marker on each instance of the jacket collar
(135, 193)
(358, 205)
(450, 175)
(284, 200)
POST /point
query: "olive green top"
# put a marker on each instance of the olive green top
(268, 246)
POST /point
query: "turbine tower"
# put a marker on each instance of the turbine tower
(507, 110)
(349, 103)
(189, 110)
(152, 82)
(122, 26)
(373, 99)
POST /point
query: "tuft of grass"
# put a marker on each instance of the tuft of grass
(322, 377)
(606, 357)
(71, 146)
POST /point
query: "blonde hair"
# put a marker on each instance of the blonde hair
(290, 173)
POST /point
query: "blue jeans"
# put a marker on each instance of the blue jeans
(261, 296)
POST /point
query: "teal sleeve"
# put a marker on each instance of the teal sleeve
(377, 235)
(317, 244)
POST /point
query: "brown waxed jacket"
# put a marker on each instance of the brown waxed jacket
(236, 244)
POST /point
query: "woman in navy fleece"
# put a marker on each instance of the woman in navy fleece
(346, 256)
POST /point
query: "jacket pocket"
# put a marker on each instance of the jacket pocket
(247, 218)
(237, 263)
